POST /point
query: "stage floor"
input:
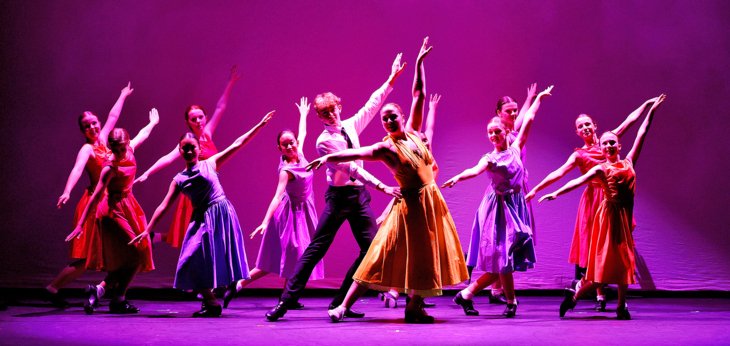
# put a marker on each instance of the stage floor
(655, 321)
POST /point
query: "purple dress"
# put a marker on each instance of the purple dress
(212, 253)
(290, 228)
(501, 236)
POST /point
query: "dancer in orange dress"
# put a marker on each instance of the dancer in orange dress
(611, 253)
(584, 159)
(90, 159)
(119, 219)
(203, 129)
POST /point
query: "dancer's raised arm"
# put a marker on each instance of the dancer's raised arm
(484, 163)
(643, 130)
(284, 177)
(93, 201)
(111, 120)
(531, 90)
(553, 176)
(224, 155)
(144, 133)
(413, 124)
(575, 183)
(303, 106)
(363, 117)
(220, 107)
(633, 117)
(529, 117)
(431, 118)
(171, 196)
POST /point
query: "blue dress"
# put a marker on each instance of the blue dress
(212, 253)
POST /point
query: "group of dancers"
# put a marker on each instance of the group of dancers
(415, 250)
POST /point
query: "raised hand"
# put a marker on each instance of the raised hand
(397, 68)
(531, 90)
(546, 92)
(657, 101)
(548, 197)
(433, 100)
(139, 238)
(267, 118)
(76, 233)
(62, 200)
(127, 90)
(261, 229)
(235, 76)
(154, 116)
(425, 49)
(303, 106)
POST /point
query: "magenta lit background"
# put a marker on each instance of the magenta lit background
(605, 59)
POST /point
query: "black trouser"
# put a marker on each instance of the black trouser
(351, 203)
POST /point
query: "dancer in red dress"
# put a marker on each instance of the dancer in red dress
(611, 253)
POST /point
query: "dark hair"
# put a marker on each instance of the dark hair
(502, 101)
(324, 100)
(82, 116)
(118, 136)
(190, 135)
(278, 137)
(192, 107)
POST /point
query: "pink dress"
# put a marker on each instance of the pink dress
(81, 246)
(184, 209)
(120, 218)
(611, 254)
(586, 158)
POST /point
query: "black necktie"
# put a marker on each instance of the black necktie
(349, 143)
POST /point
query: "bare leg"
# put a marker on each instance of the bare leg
(508, 284)
(586, 286)
(255, 274)
(622, 288)
(67, 274)
(481, 283)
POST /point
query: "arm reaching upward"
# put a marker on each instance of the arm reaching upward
(575, 183)
(419, 90)
(114, 113)
(172, 194)
(431, 118)
(220, 107)
(81, 158)
(303, 106)
(224, 155)
(363, 117)
(529, 117)
(526, 106)
(633, 117)
(284, 177)
(144, 133)
(553, 176)
(643, 130)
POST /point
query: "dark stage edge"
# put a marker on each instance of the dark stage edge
(657, 321)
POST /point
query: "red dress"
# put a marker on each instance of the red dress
(611, 254)
(120, 218)
(184, 209)
(81, 246)
(586, 158)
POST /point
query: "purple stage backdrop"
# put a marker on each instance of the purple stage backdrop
(60, 58)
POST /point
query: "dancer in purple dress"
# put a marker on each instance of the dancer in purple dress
(291, 217)
(212, 253)
(501, 240)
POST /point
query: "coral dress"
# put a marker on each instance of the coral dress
(417, 247)
(120, 218)
(501, 235)
(586, 158)
(611, 254)
(81, 246)
(212, 253)
(184, 209)
(292, 225)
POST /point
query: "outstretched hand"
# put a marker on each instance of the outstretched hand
(140, 237)
(235, 76)
(425, 49)
(127, 89)
(261, 229)
(62, 200)
(531, 90)
(546, 92)
(451, 182)
(397, 68)
(392, 191)
(303, 106)
(154, 116)
(141, 179)
(316, 163)
(76, 233)
(657, 101)
(433, 101)
(530, 195)
(548, 197)
(267, 118)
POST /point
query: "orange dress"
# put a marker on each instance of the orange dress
(184, 210)
(611, 254)
(417, 247)
(81, 246)
(120, 218)
(591, 198)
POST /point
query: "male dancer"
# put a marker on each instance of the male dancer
(346, 196)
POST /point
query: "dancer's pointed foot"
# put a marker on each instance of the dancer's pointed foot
(510, 311)
(277, 312)
(418, 315)
(230, 293)
(568, 302)
(389, 299)
(466, 304)
(337, 314)
(622, 313)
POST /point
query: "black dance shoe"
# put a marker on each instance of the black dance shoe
(418, 316)
(622, 313)
(389, 299)
(55, 299)
(296, 305)
(92, 302)
(497, 298)
(277, 312)
(568, 303)
(425, 303)
(510, 311)
(600, 305)
(230, 293)
(466, 304)
(349, 313)
(123, 307)
(209, 311)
